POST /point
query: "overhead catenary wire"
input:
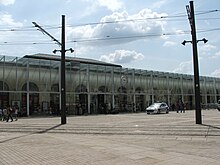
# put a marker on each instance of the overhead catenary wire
(159, 18)
(176, 17)
(106, 38)
(27, 43)
(80, 40)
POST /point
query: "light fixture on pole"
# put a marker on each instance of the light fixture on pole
(204, 40)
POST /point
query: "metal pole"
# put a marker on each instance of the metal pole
(196, 67)
(63, 74)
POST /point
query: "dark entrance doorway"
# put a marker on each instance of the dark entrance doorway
(33, 98)
(139, 99)
(122, 99)
(82, 102)
(55, 100)
(101, 104)
(102, 109)
(4, 96)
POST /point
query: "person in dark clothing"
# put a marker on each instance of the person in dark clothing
(182, 108)
(177, 107)
(9, 113)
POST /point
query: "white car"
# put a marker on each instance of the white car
(157, 108)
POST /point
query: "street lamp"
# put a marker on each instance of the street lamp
(62, 77)
(196, 79)
(191, 17)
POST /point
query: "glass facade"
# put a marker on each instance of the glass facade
(93, 87)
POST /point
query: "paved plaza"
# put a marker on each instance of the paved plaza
(120, 139)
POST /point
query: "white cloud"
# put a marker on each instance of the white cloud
(159, 4)
(169, 44)
(206, 51)
(185, 68)
(180, 32)
(122, 57)
(216, 56)
(207, 47)
(216, 73)
(142, 24)
(7, 2)
(6, 19)
(112, 5)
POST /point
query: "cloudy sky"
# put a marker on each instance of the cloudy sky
(133, 33)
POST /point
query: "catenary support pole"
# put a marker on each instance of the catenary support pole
(63, 74)
(63, 69)
(196, 66)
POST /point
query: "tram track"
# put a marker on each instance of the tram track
(183, 130)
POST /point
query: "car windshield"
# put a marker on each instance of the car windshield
(155, 105)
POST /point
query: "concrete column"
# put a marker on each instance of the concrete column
(113, 89)
(28, 90)
(88, 89)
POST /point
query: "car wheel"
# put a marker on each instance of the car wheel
(167, 111)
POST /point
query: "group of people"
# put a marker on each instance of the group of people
(179, 106)
(8, 112)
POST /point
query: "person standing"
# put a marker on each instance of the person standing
(9, 113)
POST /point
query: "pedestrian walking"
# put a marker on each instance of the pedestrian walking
(177, 107)
(182, 108)
(5, 115)
(9, 113)
(1, 113)
(16, 113)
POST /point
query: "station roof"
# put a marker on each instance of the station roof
(70, 59)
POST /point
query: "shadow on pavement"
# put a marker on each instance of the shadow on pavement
(211, 126)
(46, 130)
(37, 132)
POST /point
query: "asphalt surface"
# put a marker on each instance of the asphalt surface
(120, 139)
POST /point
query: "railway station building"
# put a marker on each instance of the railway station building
(93, 87)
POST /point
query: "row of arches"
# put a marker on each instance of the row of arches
(123, 98)
(81, 90)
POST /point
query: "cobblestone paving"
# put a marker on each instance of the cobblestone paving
(121, 139)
